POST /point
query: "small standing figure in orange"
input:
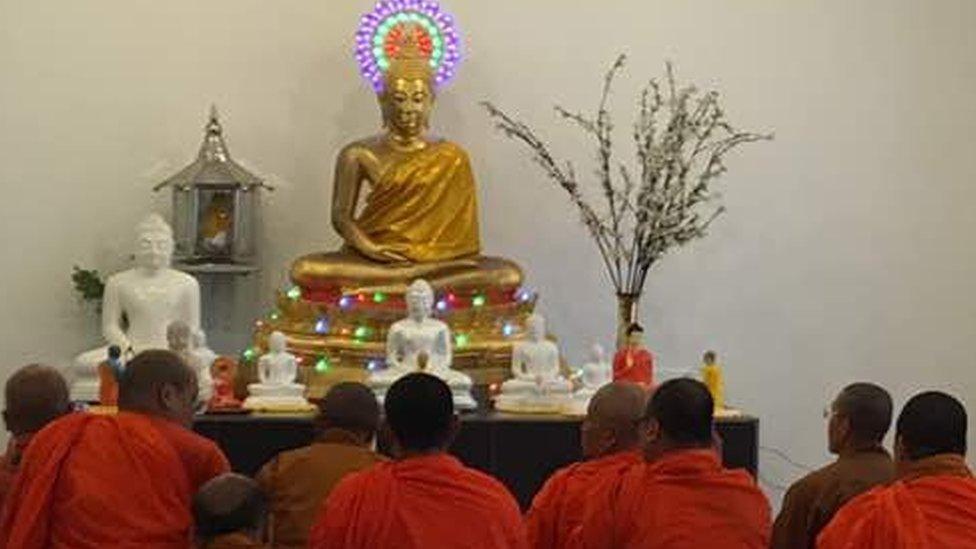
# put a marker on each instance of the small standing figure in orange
(633, 361)
(109, 372)
(224, 372)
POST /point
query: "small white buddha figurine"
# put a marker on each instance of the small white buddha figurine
(179, 338)
(277, 374)
(421, 341)
(198, 345)
(535, 363)
(536, 384)
(594, 374)
(139, 304)
(597, 372)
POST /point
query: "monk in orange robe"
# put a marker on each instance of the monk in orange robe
(610, 437)
(35, 395)
(932, 503)
(425, 498)
(298, 481)
(681, 496)
(116, 481)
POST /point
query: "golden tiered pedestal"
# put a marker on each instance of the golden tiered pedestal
(343, 337)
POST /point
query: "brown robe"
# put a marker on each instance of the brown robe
(812, 501)
(297, 482)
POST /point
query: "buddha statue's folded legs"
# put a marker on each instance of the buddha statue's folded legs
(346, 272)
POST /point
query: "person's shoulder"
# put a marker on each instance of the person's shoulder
(814, 481)
(490, 484)
(185, 439)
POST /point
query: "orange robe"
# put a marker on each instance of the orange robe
(10, 463)
(558, 508)
(684, 499)
(123, 481)
(422, 502)
(634, 365)
(931, 506)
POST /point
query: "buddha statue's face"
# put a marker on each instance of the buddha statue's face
(420, 300)
(154, 249)
(597, 354)
(277, 342)
(406, 104)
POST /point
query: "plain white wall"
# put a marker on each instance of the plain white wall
(845, 255)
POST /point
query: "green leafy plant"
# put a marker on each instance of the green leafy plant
(88, 283)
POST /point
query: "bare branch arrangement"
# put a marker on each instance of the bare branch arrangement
(682, 137)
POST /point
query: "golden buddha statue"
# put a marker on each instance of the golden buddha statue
(420, 217)
(406, 206)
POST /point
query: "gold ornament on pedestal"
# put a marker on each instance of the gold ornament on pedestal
(406, 206)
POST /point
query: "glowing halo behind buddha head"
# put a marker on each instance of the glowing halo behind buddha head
(392, 23)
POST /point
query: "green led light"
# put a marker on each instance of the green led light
(378, 40)
(379, 297)
(249, 354)
(383, 63)
(295, 293)
(479, 301)
(461, 340)
(361, 332)
(275, 315)
(322, 365)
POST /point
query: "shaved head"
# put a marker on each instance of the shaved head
(228, 504)
(159, 383)
(867, 409)
(930, 424)
(351, 407)
(35, 395)
(612, 419)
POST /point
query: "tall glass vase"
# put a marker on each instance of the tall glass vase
(627, 305)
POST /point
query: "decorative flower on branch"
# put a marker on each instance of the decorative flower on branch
(666, 200)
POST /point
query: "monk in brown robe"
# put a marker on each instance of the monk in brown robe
(90, 481)
(35, 395)
(859, 419)
(932, 502)
(680, 495)
(424, 498)
(610, 437)
(230, 512)
(297, 482)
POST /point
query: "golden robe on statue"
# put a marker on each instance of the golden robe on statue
(424, 206)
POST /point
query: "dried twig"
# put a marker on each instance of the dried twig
(681, 138)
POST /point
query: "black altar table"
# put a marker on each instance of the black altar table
(521, 451)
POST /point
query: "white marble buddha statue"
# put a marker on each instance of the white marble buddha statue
(596, 373)
(180, 340)
(139, 304)
(535, 364)
(277, 375)
(536, 384)
(421, 342)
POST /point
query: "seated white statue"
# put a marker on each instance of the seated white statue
(536, 382)
(595, 374)
(180, 340)
(277, 372)
(421, 343)
(206, 357)
(139, 304)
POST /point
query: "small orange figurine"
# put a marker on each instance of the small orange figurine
(109, 372)
(633, 362)
(224, 371)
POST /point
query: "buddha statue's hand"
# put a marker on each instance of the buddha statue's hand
(383, 254)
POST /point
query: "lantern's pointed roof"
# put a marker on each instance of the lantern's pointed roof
(213, 165)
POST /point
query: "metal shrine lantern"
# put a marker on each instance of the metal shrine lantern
(215, 208)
